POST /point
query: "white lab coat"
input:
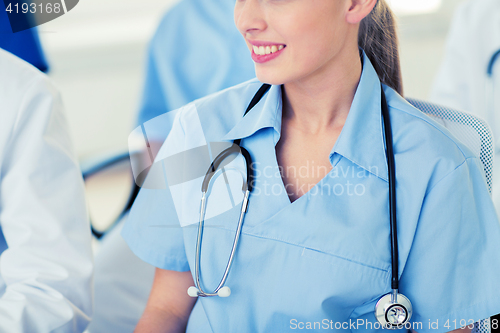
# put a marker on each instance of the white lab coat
(461, 82)
(122, 285)
(46, 261)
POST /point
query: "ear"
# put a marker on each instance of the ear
(359, 9)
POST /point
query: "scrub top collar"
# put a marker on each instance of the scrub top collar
(267, 113)
(361, 140)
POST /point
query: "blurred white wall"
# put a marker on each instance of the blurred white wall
(96, 54)
(97, 58)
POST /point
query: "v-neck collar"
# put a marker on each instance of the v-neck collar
(361, 139)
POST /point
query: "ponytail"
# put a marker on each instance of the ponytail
(378, 38)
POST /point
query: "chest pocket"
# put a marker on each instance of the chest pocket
(327, 250)
(327, 285)
(341, 285)
(344, 281)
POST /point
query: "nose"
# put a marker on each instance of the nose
(249, 16)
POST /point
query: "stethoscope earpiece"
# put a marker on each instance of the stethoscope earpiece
(224, 292)
(193, 291)
(393, 310)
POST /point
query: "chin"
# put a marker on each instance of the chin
(270, 78)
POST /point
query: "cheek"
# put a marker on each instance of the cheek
(317, 42)
(318, 30)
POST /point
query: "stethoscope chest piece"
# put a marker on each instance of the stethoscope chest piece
(393, 312)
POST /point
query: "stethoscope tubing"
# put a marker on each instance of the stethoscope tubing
(234, 149)
(244, 208)
(391, 166)
(246, 188)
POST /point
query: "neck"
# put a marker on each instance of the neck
(322, 101)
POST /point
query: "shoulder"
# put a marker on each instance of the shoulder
(230, 100)
(208, 119)
(218, 113)
(173, 15)
(18, 77)
(20, 85)
(17, 74)
(424, 142)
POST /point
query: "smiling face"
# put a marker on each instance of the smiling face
(293, 40)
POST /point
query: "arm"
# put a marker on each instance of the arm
(169, 305)
(47, 267)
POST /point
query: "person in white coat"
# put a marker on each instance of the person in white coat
(469, 76)
(45, 255)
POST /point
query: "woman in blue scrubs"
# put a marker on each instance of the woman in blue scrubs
(315, 250)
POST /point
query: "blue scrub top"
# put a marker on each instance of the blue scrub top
(323, 261)
(214, 57)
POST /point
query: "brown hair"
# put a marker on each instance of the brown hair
(378, 38)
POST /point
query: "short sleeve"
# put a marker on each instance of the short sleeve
(451, 274)
(152, 230)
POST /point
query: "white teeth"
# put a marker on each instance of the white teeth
(265, 50)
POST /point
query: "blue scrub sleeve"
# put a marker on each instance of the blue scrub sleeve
(452, 272)
(153, 232)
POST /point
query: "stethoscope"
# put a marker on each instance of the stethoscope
(393, 310)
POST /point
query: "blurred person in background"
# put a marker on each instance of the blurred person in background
(469, 76)
(24, 44)
(45, 255)
(195, 51)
